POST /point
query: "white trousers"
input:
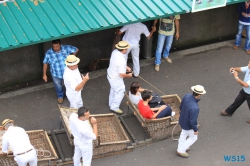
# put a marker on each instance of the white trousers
(24, 159)
(116, 94)
(75, 99)
(85, 152)
(134, 49)
(184, 142)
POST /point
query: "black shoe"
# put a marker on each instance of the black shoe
(135, 76)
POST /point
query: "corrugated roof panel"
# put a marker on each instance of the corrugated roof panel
(14, 26)
(25, 22)
(44, 21)
(34, 22)
(105, 12)
(28, 30)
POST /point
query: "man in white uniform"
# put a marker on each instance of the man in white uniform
(133, 36)
(83, 136)
(74, 81)
(115, 74)
(19, 143)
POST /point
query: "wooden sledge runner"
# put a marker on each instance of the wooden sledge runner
(158, 129)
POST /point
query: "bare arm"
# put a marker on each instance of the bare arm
(177, 26)
(241, 82)
(152, 32)
(118, 32)
(45, 66)
(155, 22)
(84, 80)
(159, 111)
(94, 124)
(124, 75)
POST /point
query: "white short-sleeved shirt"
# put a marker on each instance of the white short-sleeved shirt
(135, 98)
(117, 64)
(133, 32)
(246, 70)
(81, 130)
(71, 79)
(17, 139)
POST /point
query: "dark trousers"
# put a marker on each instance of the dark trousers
(164, 113)
(242, 96)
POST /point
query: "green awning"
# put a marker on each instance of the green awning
(28, 22)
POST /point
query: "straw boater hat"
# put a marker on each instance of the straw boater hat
(6, 121)
(122, 45)
(72, 60)
(198, 89)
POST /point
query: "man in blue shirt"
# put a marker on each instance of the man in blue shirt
(55, 57)
(188, 120)
(244, 22)
(244, 93)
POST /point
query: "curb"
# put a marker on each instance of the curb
(144, 62)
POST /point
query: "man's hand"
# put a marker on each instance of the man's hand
(93, 120)
(128, 69)
(45, 78)
(86, 77)
(196, 133)
(153, 28)
(130, 75)
(235, 73)
(177, 35)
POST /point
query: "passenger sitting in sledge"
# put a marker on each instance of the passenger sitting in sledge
(160, 111)
(135, 96)
(135, 92)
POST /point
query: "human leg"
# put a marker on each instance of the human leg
(118, 89)
(24, 159)
(87, 153)
(160, 44)
(247, 43)
(182, 141)
(33, 158)
(77, 156)
(238, 35)
(164, 113)
(191, 139)
(135, 57)
(58, 86)
(169, 40)
(238, 101)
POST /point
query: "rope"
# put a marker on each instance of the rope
(163, 94)
(173, 132)
(151, 85)
(40, 150)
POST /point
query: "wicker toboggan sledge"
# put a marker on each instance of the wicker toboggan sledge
(111, 135)
(40, 140)
(160, 128)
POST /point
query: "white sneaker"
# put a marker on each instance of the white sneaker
(157, 67)
(173, 113)
(119, 111)
(168, 60)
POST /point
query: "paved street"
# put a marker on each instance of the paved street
(36, 108)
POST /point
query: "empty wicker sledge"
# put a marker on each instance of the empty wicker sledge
(40, 140)
(111, 135)
(160, 128)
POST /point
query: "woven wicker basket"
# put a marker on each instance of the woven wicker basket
(39, 139)
(111, 135)
(160, 128)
